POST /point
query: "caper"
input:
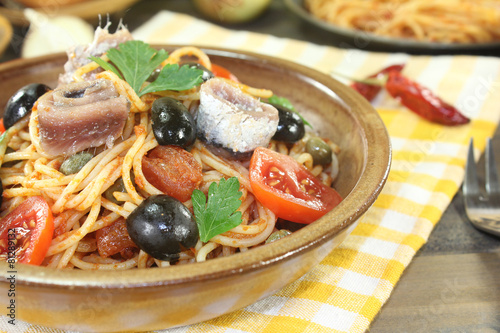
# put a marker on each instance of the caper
(319, 150)
(277, 235)
(118, 186)
(11, 163)
(154, 75)
(75, 163)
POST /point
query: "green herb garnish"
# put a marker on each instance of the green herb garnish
(217, 214)
(134, 61)
(284, 102)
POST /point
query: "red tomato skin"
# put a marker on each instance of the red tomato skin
(37, 209)
(220, 71)
(2, 127)
(296, 206)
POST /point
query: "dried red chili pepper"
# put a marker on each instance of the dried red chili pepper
(369, 91)
(423, 101)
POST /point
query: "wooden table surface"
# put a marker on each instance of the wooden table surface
(453, 283)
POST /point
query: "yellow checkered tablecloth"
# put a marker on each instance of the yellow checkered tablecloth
(346, 290)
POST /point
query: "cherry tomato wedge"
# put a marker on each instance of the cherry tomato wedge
(223, 72)
(2, 127)
(288, 188)
(26, 232)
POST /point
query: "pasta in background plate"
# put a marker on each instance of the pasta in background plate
(446, 21)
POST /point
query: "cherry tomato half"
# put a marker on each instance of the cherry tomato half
(223, 72)
(288, 188)
(26, 232)
(2, 127)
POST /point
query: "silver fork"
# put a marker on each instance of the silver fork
(482, 209)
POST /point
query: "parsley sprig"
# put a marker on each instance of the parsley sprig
(217, 214)
(134, 61)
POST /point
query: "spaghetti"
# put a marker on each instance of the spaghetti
(78, 201)
(446, 21)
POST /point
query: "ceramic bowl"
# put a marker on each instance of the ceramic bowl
(159, 298)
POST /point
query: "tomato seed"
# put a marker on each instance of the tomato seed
(32, 224)
(273, 182)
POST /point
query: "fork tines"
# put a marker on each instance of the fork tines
(483, 211)
(471, 183)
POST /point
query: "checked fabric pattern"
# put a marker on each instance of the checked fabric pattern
(347, 289)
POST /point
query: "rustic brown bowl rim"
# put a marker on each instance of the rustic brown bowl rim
(373, 177)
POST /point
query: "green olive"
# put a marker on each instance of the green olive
(277, 235)
(319, 150)
(75, 163)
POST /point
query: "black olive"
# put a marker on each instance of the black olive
(207, 74)
(290, 126)
(21, 103)
(172, 123)
(1, 191)
(160, 225)
(320, 151)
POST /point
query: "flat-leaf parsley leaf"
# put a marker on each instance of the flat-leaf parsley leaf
(217, 214)
(284, 102)
(174, 78)
(134, 61)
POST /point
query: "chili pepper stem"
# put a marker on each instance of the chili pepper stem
(371, 81)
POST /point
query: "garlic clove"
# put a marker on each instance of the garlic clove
(48, 35)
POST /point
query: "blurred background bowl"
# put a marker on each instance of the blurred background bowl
(232, 11)
(6, 32)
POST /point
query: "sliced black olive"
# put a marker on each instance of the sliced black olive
(172, 123)
(290, 126)
(319, 150)
(207, 74)
(21, 103)
(160, 225)
(1, 191)
(75, 163)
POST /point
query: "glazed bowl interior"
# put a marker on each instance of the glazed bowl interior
(334, 110)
